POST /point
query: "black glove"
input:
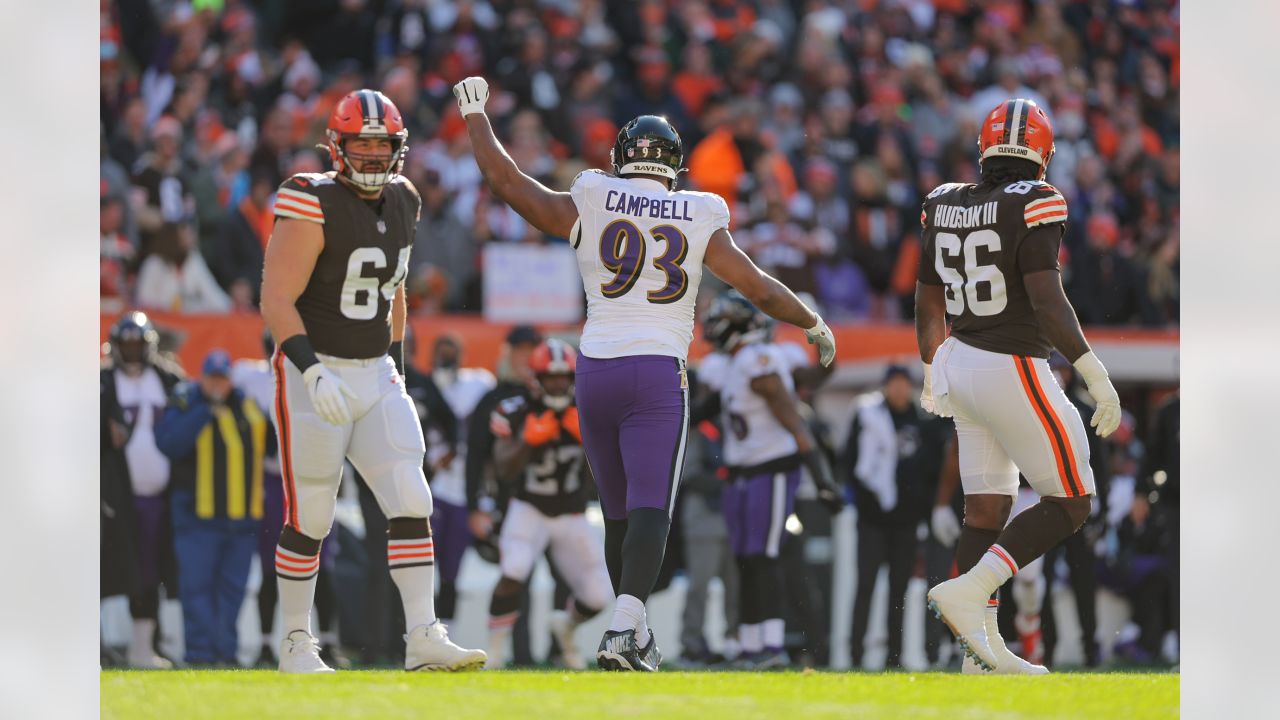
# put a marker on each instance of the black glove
(828, 492)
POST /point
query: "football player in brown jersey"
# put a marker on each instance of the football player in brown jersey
(333, 296)
(990, 264)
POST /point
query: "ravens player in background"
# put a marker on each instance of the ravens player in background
(766, 442)
(333, 295)
(990, 262)
(641, 247)
(539, 450)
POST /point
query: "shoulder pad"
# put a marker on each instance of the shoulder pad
(943, 188)
(1049, 208)
(297, 198)
(589, 174)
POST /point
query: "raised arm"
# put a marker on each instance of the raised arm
(551, 212)
(730, 264)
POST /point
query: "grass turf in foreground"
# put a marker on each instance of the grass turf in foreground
(201, 694)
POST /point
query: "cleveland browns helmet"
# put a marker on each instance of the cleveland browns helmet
(554, 357)
(733, 322)
(1019, 129)
(366, 114)
(648, 145)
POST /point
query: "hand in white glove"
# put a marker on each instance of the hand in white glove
(328, 394)
(1106, 417)
(926, 392)
(945, 525)
(472, 94)
(820, 335)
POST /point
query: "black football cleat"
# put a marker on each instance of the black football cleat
(650, 653)
(618, 651)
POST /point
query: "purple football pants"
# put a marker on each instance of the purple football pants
(756, 509)
(634, 414)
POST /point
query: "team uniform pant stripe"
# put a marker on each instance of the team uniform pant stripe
(677, 459)
(286, 459)
(777, 507)
(1052, 426)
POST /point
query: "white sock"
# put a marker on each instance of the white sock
(628, 614)
(329, 639)
(994, 569)
(500, 627)
(413, 568)
(752, 638)
(296, 580)
(774, 633)
(144, 633)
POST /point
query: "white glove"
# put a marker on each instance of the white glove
(945, 525)
(1106, 417)
(472, 94)
(821, 336)
(926, 392)
(328, 394)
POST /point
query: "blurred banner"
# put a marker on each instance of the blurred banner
(531, 284)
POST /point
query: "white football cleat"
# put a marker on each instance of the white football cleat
(961, 605)
(563, 628)
(428, 647)
(300, 653)
(1007, 663)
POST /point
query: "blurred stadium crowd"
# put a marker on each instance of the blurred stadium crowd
(822, 122)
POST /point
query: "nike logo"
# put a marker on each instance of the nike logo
(616, 645)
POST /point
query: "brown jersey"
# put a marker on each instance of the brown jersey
(346, 305)
(979, 240)
(552, 482)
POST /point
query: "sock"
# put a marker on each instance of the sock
(1040, 527)
(446, 601)
(411, 560)
(328, 638)
(628, 614)
(752, 638)
(642, 551)
(504, 610)
(971, 546)
(773, 632)
(297, 566)
(144, 632)
(994, 569)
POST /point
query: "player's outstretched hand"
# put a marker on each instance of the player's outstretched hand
(945, 525)
(329, 394)
(1106, 417)
(820, 335)
(831, 500)
(472, 94)
(541, 429)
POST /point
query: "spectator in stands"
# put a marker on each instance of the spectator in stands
(161, 177)
(116, 259)
(893, 455)
(175, 278)
(216, 438)
(237, 258)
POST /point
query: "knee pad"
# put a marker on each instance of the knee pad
(402, 490)
(315, 500)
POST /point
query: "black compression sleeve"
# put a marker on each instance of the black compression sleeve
(299, 351)
(396, 351)
(819, 468)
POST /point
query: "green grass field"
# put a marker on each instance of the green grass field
(196, 695)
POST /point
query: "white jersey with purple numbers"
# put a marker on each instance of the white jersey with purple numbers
(752, 434)
(640, 249)
(463, 394)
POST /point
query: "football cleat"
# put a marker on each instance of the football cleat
(765, 660)
(960, 604)
(618, 651)
(300, 653)
(563, 627)
(428, 647)
(1007, 663)
(650, 653)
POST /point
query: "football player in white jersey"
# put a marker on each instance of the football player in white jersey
(766, 442)
(641, 247)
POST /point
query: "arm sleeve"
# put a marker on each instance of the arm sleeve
(1039, 249)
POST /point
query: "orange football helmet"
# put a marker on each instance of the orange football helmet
(554, 357)
(1017, 128)
(366, 114)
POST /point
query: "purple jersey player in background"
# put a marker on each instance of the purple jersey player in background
(641, 247)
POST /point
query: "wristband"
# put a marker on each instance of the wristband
(299, 351)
